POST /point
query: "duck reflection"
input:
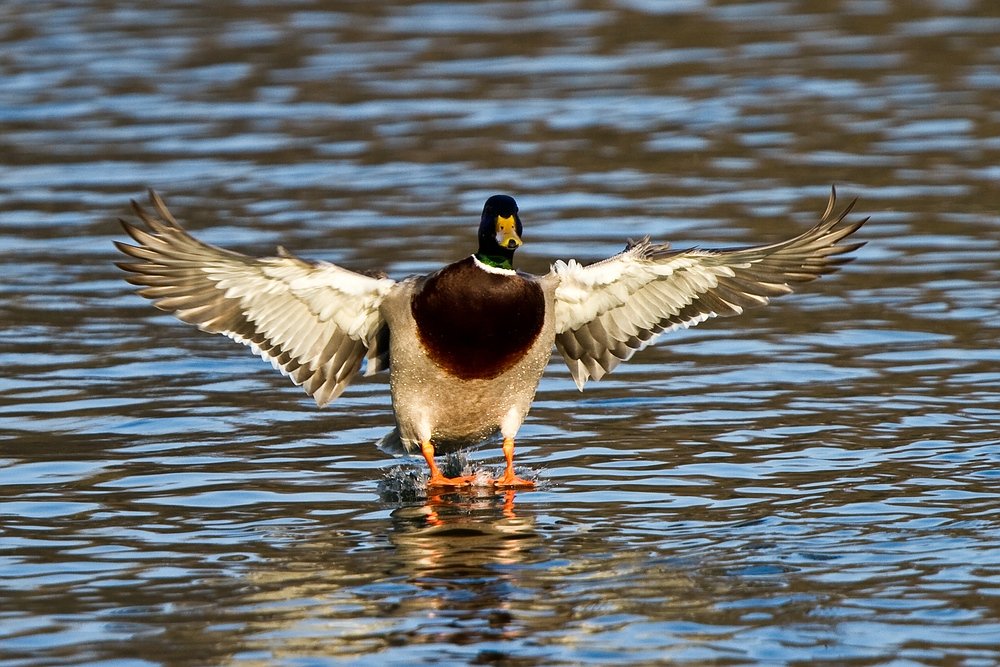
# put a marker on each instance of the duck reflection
(473, 527)
(459, 505)
(462, 552)
(447, 570)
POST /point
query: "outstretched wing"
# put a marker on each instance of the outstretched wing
(606, 312)
(314, 321)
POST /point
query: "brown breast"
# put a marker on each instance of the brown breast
(475, 324)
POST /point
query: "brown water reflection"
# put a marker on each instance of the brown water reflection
(814, 481)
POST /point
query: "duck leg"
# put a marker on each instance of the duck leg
(509, 479)
(436, 478)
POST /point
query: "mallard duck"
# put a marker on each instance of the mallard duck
(465, 346)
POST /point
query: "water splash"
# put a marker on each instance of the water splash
(407, 483)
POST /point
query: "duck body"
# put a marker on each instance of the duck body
(467, 346)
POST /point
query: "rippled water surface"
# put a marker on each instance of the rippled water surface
(815, 481)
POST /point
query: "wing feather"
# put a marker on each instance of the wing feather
(607, 311)
(314, 321)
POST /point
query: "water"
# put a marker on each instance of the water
(812, 481)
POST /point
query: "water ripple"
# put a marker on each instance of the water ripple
(815, 481)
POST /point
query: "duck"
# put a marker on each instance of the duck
(465, 347)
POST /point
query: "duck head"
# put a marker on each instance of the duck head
(499, 232)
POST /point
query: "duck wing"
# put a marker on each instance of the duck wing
(607, 311)
(314, 321)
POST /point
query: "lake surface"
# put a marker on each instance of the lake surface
(815, 481)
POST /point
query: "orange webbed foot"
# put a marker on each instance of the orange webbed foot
(436, 480)
(511, 481)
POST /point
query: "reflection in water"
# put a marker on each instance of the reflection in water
(447, 573)
(462, 577)
(815, 481)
